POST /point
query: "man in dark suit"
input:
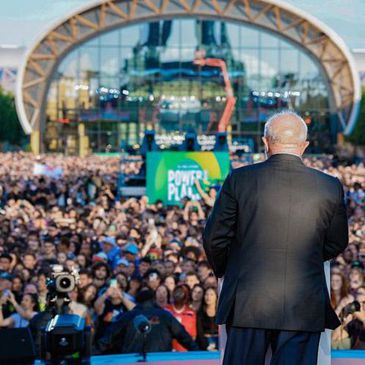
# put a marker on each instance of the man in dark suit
(272, 227)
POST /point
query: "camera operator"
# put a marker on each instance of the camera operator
(41, 319)
(36, 324)
(124, 337)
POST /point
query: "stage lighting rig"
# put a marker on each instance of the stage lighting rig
(148, 144)
(191, 142)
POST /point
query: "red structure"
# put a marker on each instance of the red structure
(231, 100)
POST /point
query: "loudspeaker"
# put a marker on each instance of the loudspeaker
(16, 346)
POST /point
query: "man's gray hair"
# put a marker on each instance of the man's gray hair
(287, 135)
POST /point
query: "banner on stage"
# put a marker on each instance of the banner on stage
(171, 175)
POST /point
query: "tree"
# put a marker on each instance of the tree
(10, 129)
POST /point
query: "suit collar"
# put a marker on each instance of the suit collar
(285, 157)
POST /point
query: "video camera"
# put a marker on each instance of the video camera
(59, 284)
(62, 282)
(65, 339)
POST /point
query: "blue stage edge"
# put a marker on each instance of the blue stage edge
(350, 357)
(348, 354)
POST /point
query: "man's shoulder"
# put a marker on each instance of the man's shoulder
(323, 177)
(248, 169)
(263, 167)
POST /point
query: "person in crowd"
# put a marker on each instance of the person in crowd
(207, 329)
(87, 296)
(42, 289)
(144, 265)
(340, 295)
(30, 261)
(169, 267)
(347, 335)
(170, 282)
(75, 306)
(100, 272)
(356, 277)
(191, 279)
(24, 312)
(193, 213)
(85, 278)
(110, 305)
(152, 279)
(65, 220)
(49, 249)
(7, 308)
(123, 336)
(135, 284)
(17, 287)
(181, 310)
(197, 295)
(204, 270)
(208, 198)
(162, 296)
(5, 262)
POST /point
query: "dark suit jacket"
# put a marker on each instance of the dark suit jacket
(272, 227)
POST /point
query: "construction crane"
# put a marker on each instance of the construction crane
(200, 60)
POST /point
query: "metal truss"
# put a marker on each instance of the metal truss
(323, 45)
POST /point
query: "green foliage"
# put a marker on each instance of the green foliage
(357, 136)
(11, 131)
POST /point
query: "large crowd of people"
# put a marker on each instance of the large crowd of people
(136, 256)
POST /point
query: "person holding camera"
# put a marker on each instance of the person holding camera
(5, 288)
(193, 213)
(347, 335)
(110, 305)
(24, 312)
(208, 198)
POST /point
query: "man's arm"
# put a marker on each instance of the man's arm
(180, 334)
(336, 239)
(220, 228)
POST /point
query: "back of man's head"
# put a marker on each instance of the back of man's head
(285, 132)
(145, 294)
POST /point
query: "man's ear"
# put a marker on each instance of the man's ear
(266, 144)
(305, 145)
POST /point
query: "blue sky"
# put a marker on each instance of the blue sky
(22, 20)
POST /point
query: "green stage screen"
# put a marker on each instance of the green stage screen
(171, 175)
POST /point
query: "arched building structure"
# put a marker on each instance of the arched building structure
(113, 68)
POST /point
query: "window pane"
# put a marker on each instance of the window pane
(131, 35)
(110, 38)
(190, 33)
(89, 62)
(249, 37)
(109, 62)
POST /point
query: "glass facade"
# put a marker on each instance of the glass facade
(113, 87)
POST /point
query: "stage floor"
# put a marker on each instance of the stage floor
(209, 358)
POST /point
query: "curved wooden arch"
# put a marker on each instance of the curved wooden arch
(325, 46)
